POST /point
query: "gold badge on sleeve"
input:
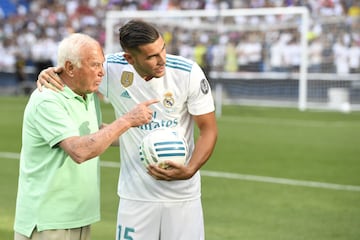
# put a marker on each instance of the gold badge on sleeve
(127, 79)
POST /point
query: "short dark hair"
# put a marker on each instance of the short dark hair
(136, 33)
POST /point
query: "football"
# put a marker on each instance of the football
(163, 144)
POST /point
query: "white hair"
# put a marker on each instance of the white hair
(70, 48)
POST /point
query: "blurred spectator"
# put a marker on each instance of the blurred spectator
(231, 64)
(331, 8)
(20, 68)
(217, 53)
(242, 54)
(327, 57)
(254, 52)
(200, 51)
(354, 58)
(315, 52)
(291, 55)
(276, 55)
(7, 51)
(341, 55)
(23, 85)
(354, 9)
(42, 52)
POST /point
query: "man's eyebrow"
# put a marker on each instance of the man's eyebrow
(153, 55)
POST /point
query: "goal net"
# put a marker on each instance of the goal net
(255, 56)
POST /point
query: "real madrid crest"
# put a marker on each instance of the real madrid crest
(127, 79)
(168, 100)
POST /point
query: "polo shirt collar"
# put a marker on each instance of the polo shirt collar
(68, 93)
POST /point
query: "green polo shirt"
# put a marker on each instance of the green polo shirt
(54, 192)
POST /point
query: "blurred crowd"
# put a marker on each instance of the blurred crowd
(30, 31)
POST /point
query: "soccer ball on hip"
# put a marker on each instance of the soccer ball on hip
(163, 144)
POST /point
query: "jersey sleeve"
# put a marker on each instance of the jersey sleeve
(200, 100)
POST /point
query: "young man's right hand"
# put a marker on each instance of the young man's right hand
(50, 79)
(140, 114)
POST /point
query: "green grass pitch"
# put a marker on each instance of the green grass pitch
(253, 192)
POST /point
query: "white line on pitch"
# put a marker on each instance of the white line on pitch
(238, 176)
(280, 180)
(289, 122)
(10, 155)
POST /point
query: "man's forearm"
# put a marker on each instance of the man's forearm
(87, 147)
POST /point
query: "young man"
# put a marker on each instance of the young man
(58, 189)
(158, 203)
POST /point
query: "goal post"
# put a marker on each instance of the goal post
(267, 86)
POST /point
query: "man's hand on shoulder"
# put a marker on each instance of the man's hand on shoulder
(49, 78)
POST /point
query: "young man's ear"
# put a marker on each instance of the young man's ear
(128, 58)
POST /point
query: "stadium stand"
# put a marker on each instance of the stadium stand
(30, 31)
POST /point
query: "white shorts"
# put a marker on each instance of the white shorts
(138, 220)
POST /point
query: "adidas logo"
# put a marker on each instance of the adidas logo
(125, 94)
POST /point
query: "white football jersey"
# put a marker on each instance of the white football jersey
(183, 91)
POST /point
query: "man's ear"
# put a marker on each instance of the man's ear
(69, 68)
(129, 58)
